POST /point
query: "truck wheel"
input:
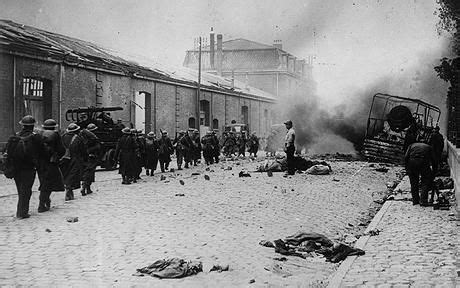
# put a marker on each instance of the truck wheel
(110, 162)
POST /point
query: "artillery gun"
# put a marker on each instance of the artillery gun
(392, 119)
(108, 132)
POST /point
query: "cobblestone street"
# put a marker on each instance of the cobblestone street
(219, 221)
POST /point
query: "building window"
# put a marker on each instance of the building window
(191, 122)
(36, 94)
(245, 114)
(204, 113)
(215, 124)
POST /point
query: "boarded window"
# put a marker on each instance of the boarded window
(245, 114)
(191, 122)
(36, 94)
(215, 124)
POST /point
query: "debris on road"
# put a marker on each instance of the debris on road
(374, 232)
(228, 168)
(195, 173)
(219, 268)
(72, 219)
(181, 182)
(303, 244)
(47, 230)
(244, 174)
(319, 170)
(282, 259)
(269, 173)
(252, 281)
(180, 194)
(171, 268)
(163, 177)
(335, 180)
(206, 177)
(266, 243)
(381, 169)
(278, 269)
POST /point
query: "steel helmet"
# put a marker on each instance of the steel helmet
(73, 127)
(49, 123)
(27, 120)
(91, 127)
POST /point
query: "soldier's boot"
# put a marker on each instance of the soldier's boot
(125, 180)
(147, 172)
(68, 194)
(83, 189)
(186, 165)
(42, 207)
(88, 189)
(179, 167)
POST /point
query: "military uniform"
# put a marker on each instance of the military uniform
(208, 148)
(196, 147)
(241, 144)
(253, 144)
(151, 153)
(216, 145)
(418, 159)
(72, 161)
(165, 150)
(48, 172)
(26, 164)
(229, 144)
(437, 143)
(125, 153)
(93, 147)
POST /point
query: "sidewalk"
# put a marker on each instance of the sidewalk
(416, 247)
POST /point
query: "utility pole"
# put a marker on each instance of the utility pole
(199, 84)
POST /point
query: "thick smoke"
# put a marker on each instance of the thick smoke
(324, 129)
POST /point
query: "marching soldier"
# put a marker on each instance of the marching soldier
(71, 163)
(165, 150)
(216, 145)
(93, 148)
(140, 140)
(151, 153)
(180, 149)
(197, 146)
(188, 145)
(241, 144)
(23, 151)
(253, 144)
(49, 174)
(125, 153)
(208, 148)
(229, 144)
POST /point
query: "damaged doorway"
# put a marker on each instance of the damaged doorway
(142, 111)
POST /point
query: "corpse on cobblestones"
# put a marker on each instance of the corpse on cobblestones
(171, 268)
(302, 244)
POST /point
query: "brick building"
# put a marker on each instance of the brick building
(44, 74)
(266, 67)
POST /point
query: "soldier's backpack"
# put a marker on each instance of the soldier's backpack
(18, 149)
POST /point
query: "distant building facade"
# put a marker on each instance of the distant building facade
(44, 74)
(266, 67)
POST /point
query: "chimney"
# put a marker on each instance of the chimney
(219, 54)
(278, 44)
(211, 48)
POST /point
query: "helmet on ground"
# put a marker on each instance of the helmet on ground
(91, 127)
(27, 120)
(49, 123)
(126, 130)
(73, 127)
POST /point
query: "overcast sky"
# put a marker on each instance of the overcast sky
(356, 42)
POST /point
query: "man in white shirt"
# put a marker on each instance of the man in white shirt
(289, 147)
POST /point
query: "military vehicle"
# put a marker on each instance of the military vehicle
(108, 131)
(390, 119)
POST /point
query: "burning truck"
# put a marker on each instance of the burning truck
(393, 122)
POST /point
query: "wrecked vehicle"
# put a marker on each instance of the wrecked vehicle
(392, 121)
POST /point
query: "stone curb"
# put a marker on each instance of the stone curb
(339, 275)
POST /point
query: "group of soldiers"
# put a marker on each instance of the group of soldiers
(63, 163)
(134, 151)
(237, 144)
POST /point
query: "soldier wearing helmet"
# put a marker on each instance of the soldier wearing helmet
(164, 151)
(207, 143)
(22, 152)
(49, 173)
(196, 151)
(125, 153)
(151, 153)
(73, 159)
(181, 146)
(93, 148)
